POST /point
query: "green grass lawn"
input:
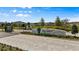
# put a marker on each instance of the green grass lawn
(68, 28)
(4, 47)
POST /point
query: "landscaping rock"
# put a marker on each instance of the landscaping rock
(34, 31)
(47, 31)
(58, 32)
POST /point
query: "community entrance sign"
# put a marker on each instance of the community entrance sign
(8, 27)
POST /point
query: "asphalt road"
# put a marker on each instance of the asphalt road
(6, 34)
(38, 43)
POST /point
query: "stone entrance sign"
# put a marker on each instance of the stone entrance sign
(8, 27)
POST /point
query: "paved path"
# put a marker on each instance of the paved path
(38, 43)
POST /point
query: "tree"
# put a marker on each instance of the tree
(65, 23)
(5, 26)
(15, 25)
(74, 29)
(24, 26)
(38, 30)
(42, 22)
(58, 22)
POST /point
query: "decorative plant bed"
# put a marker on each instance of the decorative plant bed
(46, 35)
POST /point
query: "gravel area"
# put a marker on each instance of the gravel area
(39, 43)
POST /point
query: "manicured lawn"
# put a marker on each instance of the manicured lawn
(4, 47)
(68, 28)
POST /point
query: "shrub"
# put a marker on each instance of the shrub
(74, 29)
(38, 30)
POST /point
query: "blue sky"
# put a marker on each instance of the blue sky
(34, 14)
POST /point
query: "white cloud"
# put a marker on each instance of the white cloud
(14, 11)
(19, 15)
(23, 15)
(74, 19)
(30, 11)
(4, 14)
(27, 15)
(25, 11)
